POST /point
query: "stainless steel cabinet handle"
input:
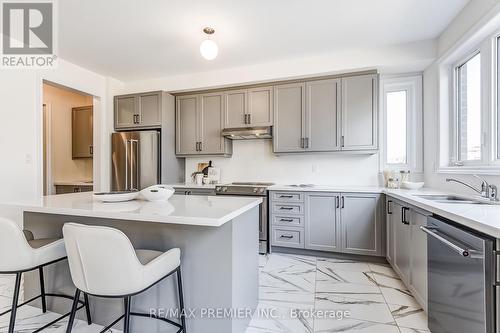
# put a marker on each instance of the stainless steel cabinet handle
(337, 202)
(91, 150)
(138, 119)
(458, 248)
(201, 146)
(286, 236)
(286, 196)
(286, 220)
(342, 141)
(301, 142)
(286, 208)
(343, 202)
(307, 143)
(389, 211)
(249, 118)
(403, 215)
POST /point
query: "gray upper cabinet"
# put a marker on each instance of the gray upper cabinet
(82, 132)
(138, 111)
(187, 125)
(322, 230)
(359, 112)
(235, 111)
(326, 115)
(248, 107)
(401, 260)
(361, 223)
(260, 106)
(322, 115)
(125, 111)
(199, 121)
(211, 113)
(289, 106)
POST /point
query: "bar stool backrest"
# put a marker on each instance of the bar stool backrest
(15, 252)
(102, 260)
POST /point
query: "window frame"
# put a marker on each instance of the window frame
(447, 154)
(455, 120)
(412, 85)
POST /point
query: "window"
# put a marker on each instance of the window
(396, 127)
(402, 123)
(468, 113)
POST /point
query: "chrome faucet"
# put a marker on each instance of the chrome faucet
(486, 191)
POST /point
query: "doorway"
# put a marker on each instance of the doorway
(68, 148)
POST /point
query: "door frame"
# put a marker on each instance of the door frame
(98, 168)
(47, 173)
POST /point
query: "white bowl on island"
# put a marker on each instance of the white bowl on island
(412, 185)
(157, 193)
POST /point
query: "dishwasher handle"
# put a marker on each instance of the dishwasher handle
(457, 248)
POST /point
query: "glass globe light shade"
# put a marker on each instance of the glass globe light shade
(209, 49)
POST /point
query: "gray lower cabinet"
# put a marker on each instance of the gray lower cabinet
(199, 121)
(322, 222)
(362, 225)
(334, 222)
(418, 256)
(389, 225)
(401, 226)
(138, 111)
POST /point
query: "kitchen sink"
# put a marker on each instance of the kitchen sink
(445, 198)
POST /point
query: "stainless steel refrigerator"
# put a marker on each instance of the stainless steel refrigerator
(135, 160)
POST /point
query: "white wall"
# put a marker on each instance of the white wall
(21, 130)
(253, 160)
(465, 23)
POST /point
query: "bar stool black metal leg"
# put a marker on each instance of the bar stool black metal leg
(15, 300)
(126, 320)
(181, 300)
(42, 290)
(73, 311)
(87, 308)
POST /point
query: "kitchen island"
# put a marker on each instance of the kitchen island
(218, 238)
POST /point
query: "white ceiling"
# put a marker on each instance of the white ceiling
(133, 39)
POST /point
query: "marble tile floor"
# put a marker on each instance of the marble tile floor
(297, 294)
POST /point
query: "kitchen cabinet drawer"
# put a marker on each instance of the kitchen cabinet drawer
(287, 196)
(283, 220)
(288, 237)
(288, 208)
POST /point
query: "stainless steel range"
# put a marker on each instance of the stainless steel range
(252, 189)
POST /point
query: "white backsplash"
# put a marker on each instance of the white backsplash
(253, 160)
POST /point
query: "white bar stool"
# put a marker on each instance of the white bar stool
(20, 252)
(104, 263)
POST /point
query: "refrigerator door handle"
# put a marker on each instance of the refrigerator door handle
(126, 165)
(134, 159)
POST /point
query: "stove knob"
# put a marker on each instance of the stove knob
(217, 188)
(262, 190)
(255, 190)
(224, 189)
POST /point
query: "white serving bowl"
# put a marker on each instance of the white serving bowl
(157, 193)
(412, 185)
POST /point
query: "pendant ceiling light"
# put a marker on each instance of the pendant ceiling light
(208, 47)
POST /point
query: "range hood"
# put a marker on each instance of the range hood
(248, 133)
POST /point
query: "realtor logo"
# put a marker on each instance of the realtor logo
(28, 34)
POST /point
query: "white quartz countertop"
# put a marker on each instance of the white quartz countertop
(327, 188)
(198, 210)
(481, 217)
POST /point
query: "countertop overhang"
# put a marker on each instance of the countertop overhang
(209, 211)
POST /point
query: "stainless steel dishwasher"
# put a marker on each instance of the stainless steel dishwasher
(461, 279)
